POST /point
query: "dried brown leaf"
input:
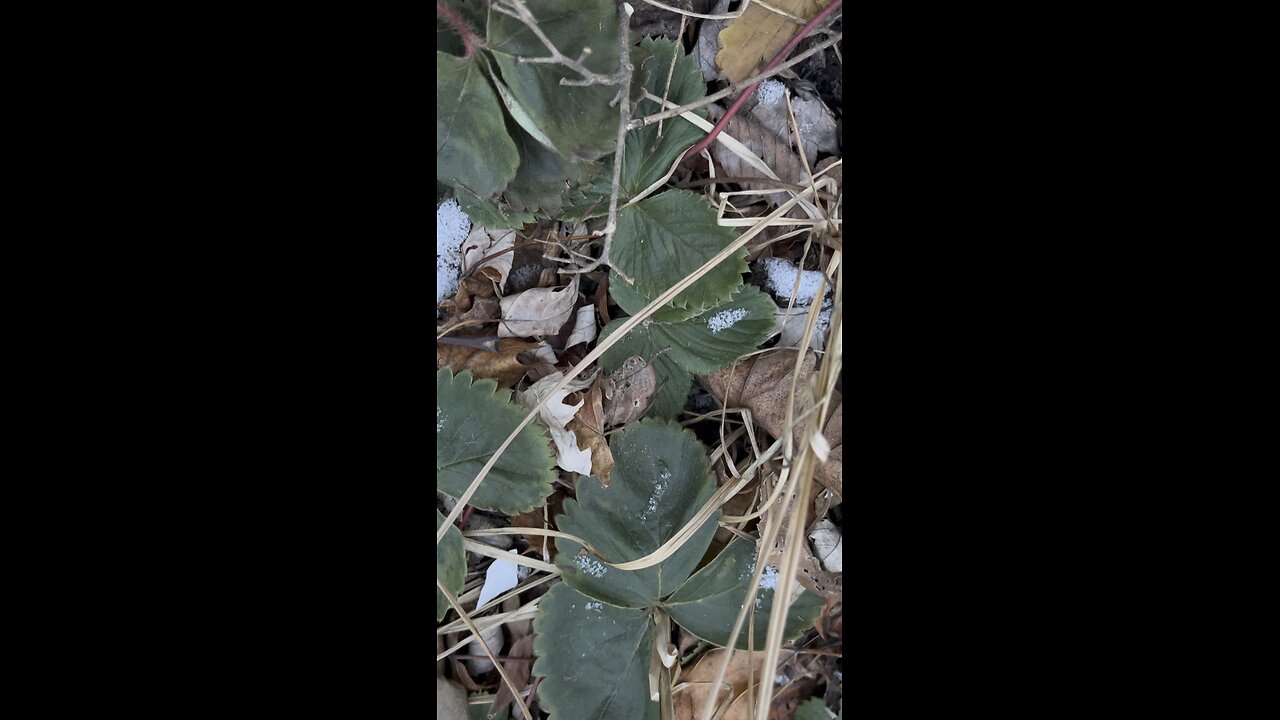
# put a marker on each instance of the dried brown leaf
(709, 43)
(489, 253)
(556, 414)
(815, 121)
(762, 385)
(628, 391)
(539, 311)
(745, 668)
(588, 425)
(774, 151)
(502, 366)
(753, 38)
(518, 665)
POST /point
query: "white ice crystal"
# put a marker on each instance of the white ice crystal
(725, 319)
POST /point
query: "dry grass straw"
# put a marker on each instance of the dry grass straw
(515, 692)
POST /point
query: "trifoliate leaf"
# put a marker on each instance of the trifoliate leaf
(707, 605)
(648, 157)
(473, 150)
(659, 481)
(593, 658)
(472, 421)
(663, 239)
(451, 565)
(706, 342)
(672, 381)
(578, 120)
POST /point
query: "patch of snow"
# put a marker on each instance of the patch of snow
(780, 679)
(769, 579)
(726, 319)
(590, 565)
(780, 278)
(452, 228)
(770, 92)
(439, 419)
(594, 605)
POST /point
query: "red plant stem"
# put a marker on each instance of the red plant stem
(460, 26)
(746, 93)
(466, 515)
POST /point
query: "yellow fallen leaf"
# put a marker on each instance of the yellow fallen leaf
(751, 40)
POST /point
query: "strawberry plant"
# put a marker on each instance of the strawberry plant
(555, 132)
(602, 632)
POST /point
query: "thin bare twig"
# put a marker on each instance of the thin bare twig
(624, 114)
(518, 10)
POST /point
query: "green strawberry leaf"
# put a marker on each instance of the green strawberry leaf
(633, 302)
(672, 381)
(579, 121)
(540, 183)
(593, 658)
(494, 215)
(473, 150)
(648, 157)
(451, 565)
(704, 343)
(707, 605)
(661, 240)
(472, 421)
(659, 481)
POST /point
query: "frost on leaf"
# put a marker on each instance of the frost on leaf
(659, 480)
(707, 604)
(725, 319)
(703, 343)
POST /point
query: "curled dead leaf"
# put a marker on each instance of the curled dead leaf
(555, 415)
(502, 365)
(762, 384)
(539, 311)
(588, 426)
(584, 327)
(489, 253)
